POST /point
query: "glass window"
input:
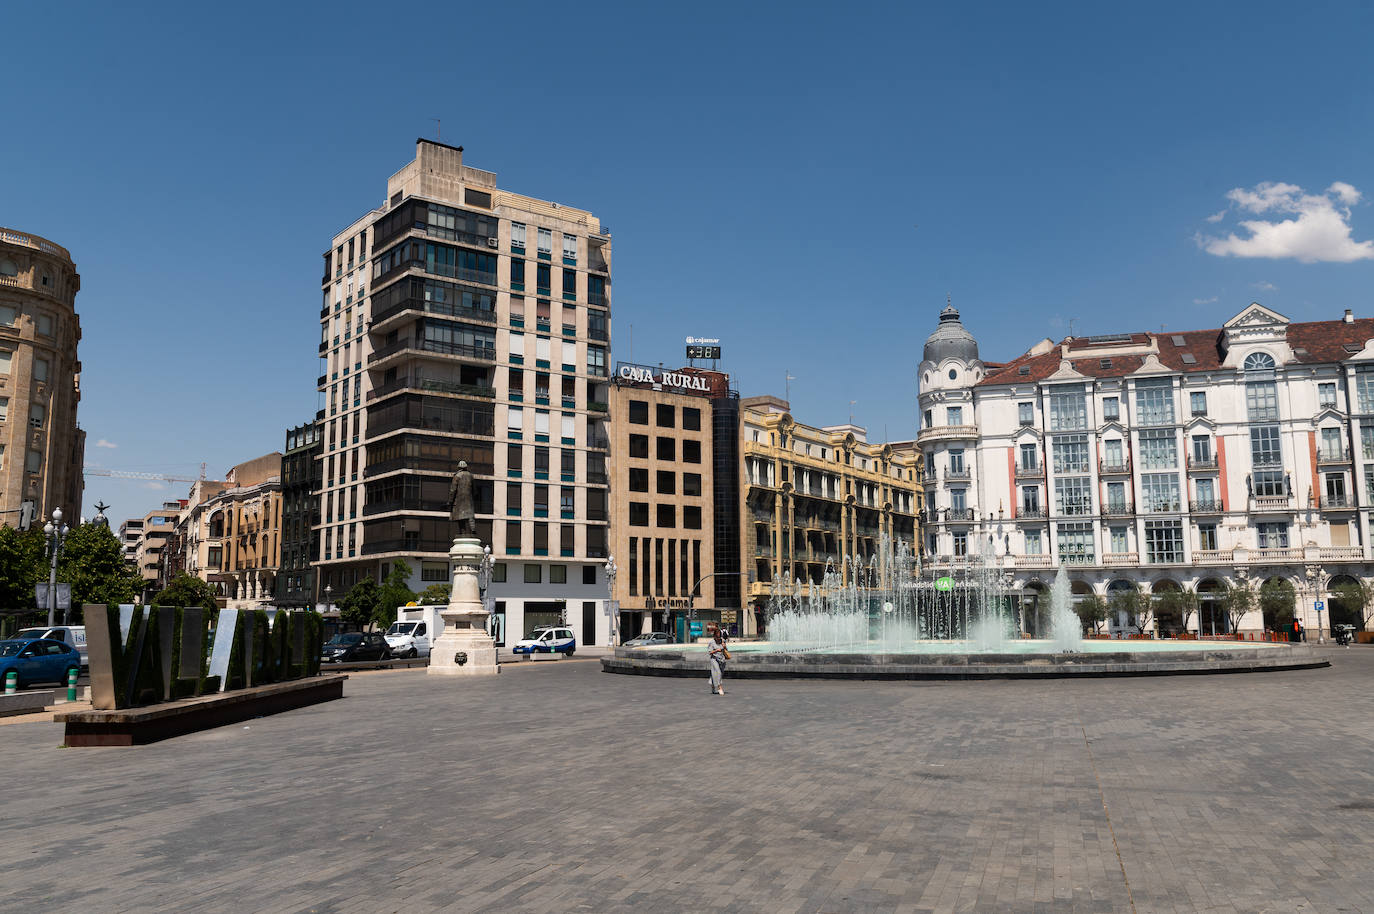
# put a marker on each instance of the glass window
(639, 514)
(1111, 408)
(1207, 536)
(956, 460)
(1076, 544)
(1331, 444)
(960, 543)
(1272, 536)
(954, 415)
(1030, 460)
(5, 356)
(666, 516)
(33, 462)
(570, 247)
(1261, 401)
(667, 482)
(517, 235)
(45, 324)
(1197, 401)
(1364, 391)
(1073, 495)
(1025, 413)
(1154, 402)
(1206, 495)
(8, 315)
(957, 499)
(639, 412)
(1116, 496)
(664, 415)
(1112, 453)
(1202, 449)
(558, 574)
(1160, 491)
(1269, 483)
(1071, 453)
(4, 408)
(639, 446)
(1326, 394)
(1068, 408)
(691, 452)
(40, 369)
(37, 413)
(1366, 439)
(1030, 499)
(534, 574)
(1158, 449)
(545, 241)
(1265, 449)
(1033, 545)
(691, 419)
(666, 449)
(1118, 540)
(1163, 542)
(1259, 361)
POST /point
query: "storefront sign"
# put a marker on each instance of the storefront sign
(667, 603)
(678, 380)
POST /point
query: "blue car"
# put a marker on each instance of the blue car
(38, 660)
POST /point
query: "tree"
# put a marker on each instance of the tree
(186, 590)
(393, 594)
(92, 561)
(22, 565)
(1178, 606)
(1133, 602)
(1092, 610)
(1354, 602)
(435, 595)
(359, 605)
(1237, 599)
(1277, 600)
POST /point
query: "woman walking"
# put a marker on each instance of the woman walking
(717, 654)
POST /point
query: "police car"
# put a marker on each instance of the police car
(548, 640)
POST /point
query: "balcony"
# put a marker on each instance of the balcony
(1163, 507)
(1034, 470)
(462, 350)
(960, 475)
(1032, 561)
(1329, 456)
(431, 385)
(1118, 509)
(1114, 467)
(1205, 507)
(1340, 554)
(959, 515)
(1121, 558)
(1202, 464)
(1030, 514)
(1273, 504)
(947, 433)
(1337, 503)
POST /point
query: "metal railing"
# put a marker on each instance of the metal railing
(1205, 507)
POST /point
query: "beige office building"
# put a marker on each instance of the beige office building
(41, 447)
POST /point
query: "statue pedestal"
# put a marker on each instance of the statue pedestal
(465, 648)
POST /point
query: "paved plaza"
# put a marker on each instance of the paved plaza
(556, 787)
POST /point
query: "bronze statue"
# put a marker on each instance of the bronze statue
(461, 509)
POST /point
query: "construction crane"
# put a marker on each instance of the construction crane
(126, 474)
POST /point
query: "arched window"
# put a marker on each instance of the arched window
(1259, 361)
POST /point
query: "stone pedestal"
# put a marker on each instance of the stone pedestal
(465, 648)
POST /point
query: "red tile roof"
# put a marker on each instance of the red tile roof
(1316, 342)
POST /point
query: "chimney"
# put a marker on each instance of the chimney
(1349, 317)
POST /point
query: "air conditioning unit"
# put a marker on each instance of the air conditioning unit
(493, 242)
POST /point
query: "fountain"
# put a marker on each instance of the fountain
(891, 616)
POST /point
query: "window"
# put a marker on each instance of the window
(1071, 453)
(498, 573)
(1033, 545)
(515, 419)
(4, 408)
(691, 452)
(1025, 413)
(1068, 408)
(1118, 541)
(960, 542)
(1272, 536)
(1261, 401)
(954, 415)
(667, 482)
(570, 247)
(665, 448)
(691, 517)
(665, 515)
(1331, 444)
(543, 279)
(1335, 489)
(33, 462)
(1159, 491)
(545, 241)
(1112, 453)
(1259, 361)
(956, 461)
(433, 571)
(1073, 495)
(639, 412)
(639, 446)
(37, 413)
(664, 415)
(517, 236)
(589, 571)
(1116, 496)
(1269, 484)
(1030, 460)
(1163, 542)
(1326, 395)
(1158, 449)
(1111, 408)
(1265, 449)
(1207, 536)
(691, 483)
(958, 500)
(570, 285)
(639, 480)
(1206, 494)
(558, 574)
(596, 361)
(1030, 499)
(1154, 402)
(566, 499)
(534, 574)
(512, 536)
(1197, 401)
(40, 369)
(639, 514)
(1076, 544)
(5, 356)
(1202, 449)
(691, 419)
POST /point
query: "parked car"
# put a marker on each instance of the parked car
(38, 660)
(70, 635)
(649, 639)
(408, 638)
(548, 640)
(349, 646)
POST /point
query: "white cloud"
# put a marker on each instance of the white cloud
(1319, 230)
(1205, 301)
(1217, 217)
(1263, 285)
(103, 443)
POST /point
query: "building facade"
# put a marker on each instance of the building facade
(1197, 459)
(155, 530)
(464, 322)
(816, 499)
(42, 450)
(664, 488)
(301, 478)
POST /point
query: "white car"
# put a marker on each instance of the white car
(408, 639)
(548, 640)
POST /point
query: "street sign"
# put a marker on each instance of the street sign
(944, 583)
(1319, 605)
(64, 596)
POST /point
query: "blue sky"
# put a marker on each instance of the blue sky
(806, 182)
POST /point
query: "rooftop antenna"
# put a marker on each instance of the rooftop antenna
(787, 386)
(438, 130)
(851, 411)
(1072, 321)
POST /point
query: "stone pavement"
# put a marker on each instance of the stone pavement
(556, 787)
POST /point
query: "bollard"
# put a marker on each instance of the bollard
(11, 682)
(71, 685)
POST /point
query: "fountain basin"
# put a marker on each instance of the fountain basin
(963, 660)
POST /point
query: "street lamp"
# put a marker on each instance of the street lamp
(56, 532)
(484, 573)
(611, 571)
(329, 598)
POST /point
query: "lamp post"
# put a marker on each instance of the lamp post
(484, 572)
(56, 532)
(611, 571)
(328, 598)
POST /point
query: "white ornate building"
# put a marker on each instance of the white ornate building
(1161, 460)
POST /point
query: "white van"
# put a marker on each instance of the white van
(409, 638)
(72, 635)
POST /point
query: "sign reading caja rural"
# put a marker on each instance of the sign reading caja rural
(141, 655)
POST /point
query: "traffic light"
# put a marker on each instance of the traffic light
(27, 511)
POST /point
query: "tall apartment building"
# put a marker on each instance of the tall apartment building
(301, 477)
(814, 499)
(465, 322)
(42, 450)
(130, 532)
(1157, 460)
(155, 529)
(667, 476)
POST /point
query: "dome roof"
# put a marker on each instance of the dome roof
(950, 340)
